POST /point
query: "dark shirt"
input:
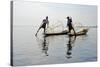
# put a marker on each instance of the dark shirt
(44, 23)
(69, 23)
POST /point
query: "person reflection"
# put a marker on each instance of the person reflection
(69, 46)
(45, 46)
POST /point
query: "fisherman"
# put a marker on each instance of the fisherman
(69, 24)
(43, 25)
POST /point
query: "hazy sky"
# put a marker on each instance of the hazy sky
(32, 13)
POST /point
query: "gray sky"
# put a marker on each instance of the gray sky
(32, 13)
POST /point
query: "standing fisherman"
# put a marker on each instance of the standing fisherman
(43, 25)
(69, 24)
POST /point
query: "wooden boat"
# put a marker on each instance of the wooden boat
(82, 32)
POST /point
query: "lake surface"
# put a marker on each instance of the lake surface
(31, 50)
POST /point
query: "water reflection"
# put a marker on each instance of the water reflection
(42, 42)
(69, 43)
(69, 46)
(45, 46)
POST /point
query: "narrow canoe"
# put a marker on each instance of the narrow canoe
(82, 32)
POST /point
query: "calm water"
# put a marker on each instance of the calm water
(31, 50)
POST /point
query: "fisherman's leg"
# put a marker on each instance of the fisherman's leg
(44, 30)
(69, 30)
(37, 31)
(74, 31)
